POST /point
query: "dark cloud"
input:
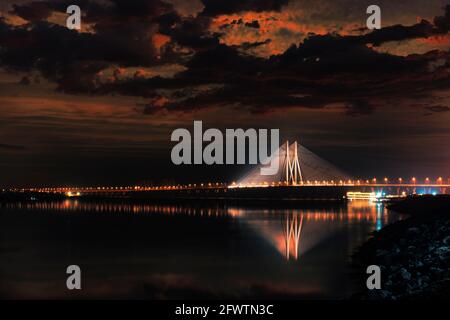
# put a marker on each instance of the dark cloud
(33, 11)
(359, 107)
(322, 70)
(122, 36)
(189, 32)
(25, 81)
(250, 24)
(253, 24)
(11, 147)
(251, 45)
(217, 7)
(438, 109)
(66, 56)
(443, 22)
(423, 29)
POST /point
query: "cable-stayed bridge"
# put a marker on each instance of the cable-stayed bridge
(301, 175)
(296, 166)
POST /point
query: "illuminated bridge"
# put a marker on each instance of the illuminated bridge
(301, 175)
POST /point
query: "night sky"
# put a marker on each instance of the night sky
(97, 106)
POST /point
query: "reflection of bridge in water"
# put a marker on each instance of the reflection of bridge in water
(301, 175)
(284, 229)
(292, 233)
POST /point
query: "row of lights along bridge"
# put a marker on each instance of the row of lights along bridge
(362, 182)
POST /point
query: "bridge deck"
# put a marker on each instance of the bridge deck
(218, 186)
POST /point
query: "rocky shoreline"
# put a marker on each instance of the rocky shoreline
(413, 254)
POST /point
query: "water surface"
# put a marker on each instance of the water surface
(157, 251)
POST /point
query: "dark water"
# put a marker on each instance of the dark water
(181, 251)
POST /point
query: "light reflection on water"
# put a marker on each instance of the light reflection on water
(131, 250)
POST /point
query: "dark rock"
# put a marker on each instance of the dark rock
(379, 294)
(405, 274)
(442, 250)
(380, 252)
(414, 255)
(446, 240)
(413, 230)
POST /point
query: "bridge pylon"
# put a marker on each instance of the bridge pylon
(292, 169)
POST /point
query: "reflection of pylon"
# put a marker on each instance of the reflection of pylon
(293, 231)
(292, 166)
